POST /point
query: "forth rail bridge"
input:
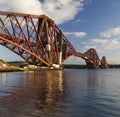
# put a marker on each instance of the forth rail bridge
(39, 41)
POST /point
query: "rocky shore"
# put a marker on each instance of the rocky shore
(10, 68)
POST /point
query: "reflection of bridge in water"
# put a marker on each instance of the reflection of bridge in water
(31, 90)
(39, 41)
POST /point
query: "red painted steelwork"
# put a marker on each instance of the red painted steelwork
(38, 40)
(104, 63)
(92, 58)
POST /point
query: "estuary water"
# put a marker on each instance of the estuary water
(60, 93)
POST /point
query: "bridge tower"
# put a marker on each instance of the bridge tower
(91, 58)
(104, 63)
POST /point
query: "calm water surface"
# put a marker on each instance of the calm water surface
(64, 93)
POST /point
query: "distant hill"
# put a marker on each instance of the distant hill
(2, 62)
(18, 63)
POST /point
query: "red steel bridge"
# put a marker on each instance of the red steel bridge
(38, 40)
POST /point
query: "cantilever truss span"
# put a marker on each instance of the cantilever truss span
(38, 40)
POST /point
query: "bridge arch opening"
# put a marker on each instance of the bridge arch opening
(74, 60)
(8, 55)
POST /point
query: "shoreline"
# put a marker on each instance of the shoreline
(71, 66)
(9, 69)
(15, 68)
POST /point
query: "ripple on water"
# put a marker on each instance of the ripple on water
(64, 93)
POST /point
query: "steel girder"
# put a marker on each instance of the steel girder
(35, 38)
(38, 40)
(104, 63)
(92, 59)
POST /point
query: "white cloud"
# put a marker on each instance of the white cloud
(25, 6)
(76, 34)
(109, 39)
(112, 45)
(99, 41)
(106, 41)
(63, 10)
(106, 44)
(111, 32)
(105, 47)
(59, 10)
(90, 46)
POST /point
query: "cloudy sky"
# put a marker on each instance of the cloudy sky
(86, 24)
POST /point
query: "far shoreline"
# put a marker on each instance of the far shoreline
(76, 66)
(66, 66)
